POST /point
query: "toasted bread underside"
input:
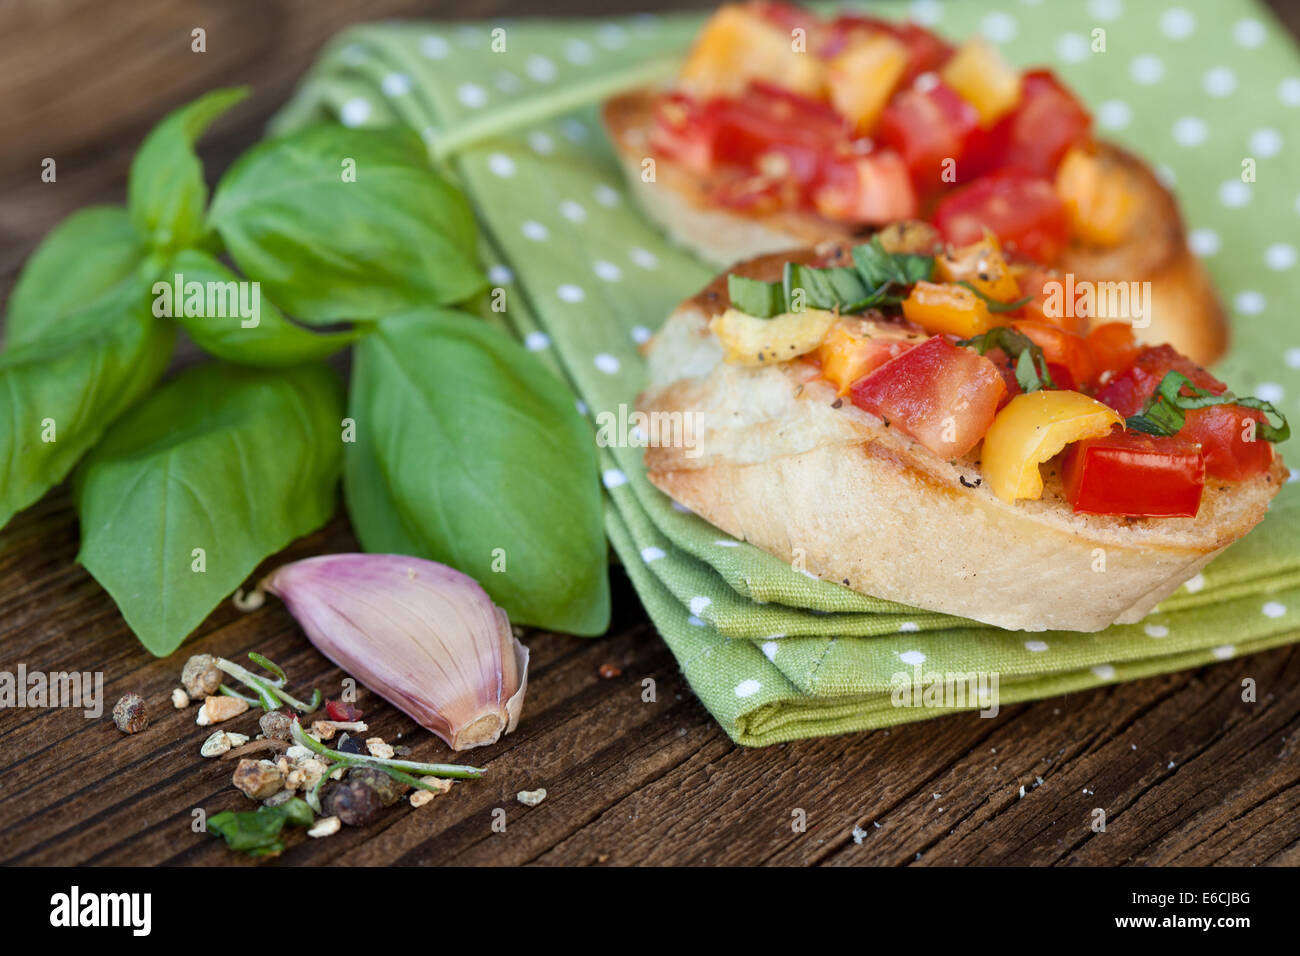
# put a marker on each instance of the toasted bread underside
(1185, 312)
(842, 496)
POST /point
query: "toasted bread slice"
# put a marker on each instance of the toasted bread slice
(1185, 311)
(785, 464)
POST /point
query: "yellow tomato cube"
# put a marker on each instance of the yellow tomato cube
(846, 357)
(983, 266)
(749, 340)
(1030, 430)
(1097, 196)
(949, 309)
(984, 79)
(863, 78)
(737, 45)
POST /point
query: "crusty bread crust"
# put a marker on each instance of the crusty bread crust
(1185, 311)
(782, 463)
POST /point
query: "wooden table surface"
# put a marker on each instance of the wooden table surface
(1186, 772)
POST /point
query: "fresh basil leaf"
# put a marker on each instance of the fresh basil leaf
(86, 258)
(236, 462)
(484, 465)
(1030, 362)
(328, 245)
(878, 267)
(1026, 374)
(822, 288)
(166, 192)
(273, 342)
(59, 393)
(755, 297)
(1165, 411)
(257, 832)
(995, 305)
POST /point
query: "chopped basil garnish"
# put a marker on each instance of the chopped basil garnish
(755, 297)
(879, 267)
(994, 305)
(1031, 364)
(1165, 412)
(876, 278)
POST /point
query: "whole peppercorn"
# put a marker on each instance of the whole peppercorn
(351, 745)
(200, 675)
(388, 789)
(130, 715)
(352, 802)
(276, 725)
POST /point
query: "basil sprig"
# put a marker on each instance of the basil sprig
(183, 490)
(1031, 363)
(995, 305)
(876, 278)
(1165, 412)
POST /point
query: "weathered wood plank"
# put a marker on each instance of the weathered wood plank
(629, 782)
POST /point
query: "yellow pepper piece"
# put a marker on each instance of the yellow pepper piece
(983, 79)
(737, 46)
(983, 266)
(1030, 430)
(749, 340)
(863, 78)
(949, 309)
(1097, 198)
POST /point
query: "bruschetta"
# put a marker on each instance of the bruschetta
(784, 129)
(905, 417)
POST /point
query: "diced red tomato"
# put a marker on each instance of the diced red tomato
(1128, 392)
(926, 128)
(1127, 473)
(925, 50)
(768, 120)
(1064, 351)
(942, 395)
(1036, 135)
(1114, 348)
(755, 195)
(1222, 432)
(866, 189)
(1024, 212)
(686, 130)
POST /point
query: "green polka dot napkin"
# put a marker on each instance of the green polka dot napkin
(1199, 88)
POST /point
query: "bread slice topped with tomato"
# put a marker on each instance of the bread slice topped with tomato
(907, 418)
(784, 128)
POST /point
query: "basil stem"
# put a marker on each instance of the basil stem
(449, 770)
(273, 696)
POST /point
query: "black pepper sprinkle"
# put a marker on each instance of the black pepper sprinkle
(838, 403)
(967, 484)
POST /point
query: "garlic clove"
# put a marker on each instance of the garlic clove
(423, 636)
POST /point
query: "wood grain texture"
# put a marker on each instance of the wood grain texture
(1186, 772)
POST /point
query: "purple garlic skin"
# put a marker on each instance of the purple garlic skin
(423, 636)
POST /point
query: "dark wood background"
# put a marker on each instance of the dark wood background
(1186, 772)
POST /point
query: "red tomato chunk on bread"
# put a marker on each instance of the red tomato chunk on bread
(942, 395)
